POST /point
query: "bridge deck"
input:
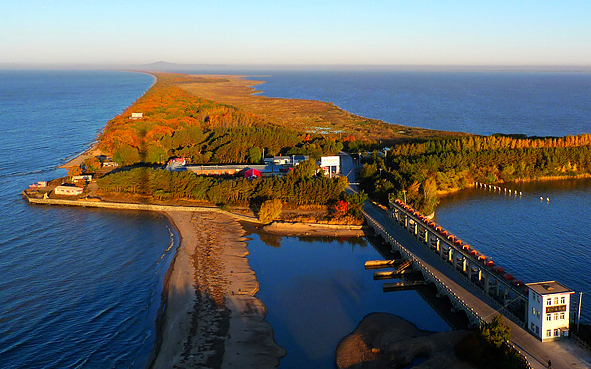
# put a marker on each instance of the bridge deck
(564, 354)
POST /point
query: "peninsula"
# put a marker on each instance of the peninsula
(211, 317)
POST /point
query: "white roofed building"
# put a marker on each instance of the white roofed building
(549, 306)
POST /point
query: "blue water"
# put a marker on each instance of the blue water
(531, 103)
(532, 239)
(79, 288)
(318, 291)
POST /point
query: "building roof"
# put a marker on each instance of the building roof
(549, 287)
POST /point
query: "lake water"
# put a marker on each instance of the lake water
(81, 288)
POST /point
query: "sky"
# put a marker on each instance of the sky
(279, 32)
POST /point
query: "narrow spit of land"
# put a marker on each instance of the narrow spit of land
(212, 318)
(301, 114)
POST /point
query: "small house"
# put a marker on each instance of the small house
(39, 184)
(252, 173)
(331, 165)
(68, 190)
(84, 177)
(176, 164)
(108, 164)
(136, 115)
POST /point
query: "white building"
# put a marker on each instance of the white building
(331, 165)
(68, 190)
(549, 306)
(84, 177)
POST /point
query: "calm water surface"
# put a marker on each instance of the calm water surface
(535, 104)
(317, 291)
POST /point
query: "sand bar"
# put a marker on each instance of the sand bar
(212, 318)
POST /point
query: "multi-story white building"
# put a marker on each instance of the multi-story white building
(549, 306)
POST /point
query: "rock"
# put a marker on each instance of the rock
(387, 341)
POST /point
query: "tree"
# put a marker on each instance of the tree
(74, 171)
(340, 208)
(305, 169)
(270, 210)
(496, 332)
(254, 155)
(92, 164)
(355, 202)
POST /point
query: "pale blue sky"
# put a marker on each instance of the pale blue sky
(369, 32)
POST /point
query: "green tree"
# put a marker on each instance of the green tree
(305, 169)
(355, 203)
(126, 155)
(254, 155)
(270, 210)
(496, 332)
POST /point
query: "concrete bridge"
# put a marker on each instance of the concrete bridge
(472, 285)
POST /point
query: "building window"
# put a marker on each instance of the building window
(548, 317)
(556, 301)
(532, 326)
(533, 311)
(556, 332)
(555, 316)
(537, 330)
(562, 316)
(549, 301)
(549, 333)
(562, 300)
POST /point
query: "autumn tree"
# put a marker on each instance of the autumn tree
(270, 210)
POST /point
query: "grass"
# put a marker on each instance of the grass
(304, 115)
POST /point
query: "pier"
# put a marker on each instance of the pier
(471, 281)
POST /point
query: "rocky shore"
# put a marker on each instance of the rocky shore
(387, 341)
(211, 317)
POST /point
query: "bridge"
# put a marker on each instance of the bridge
(470, 280)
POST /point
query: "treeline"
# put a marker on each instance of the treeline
(296, 188)
(419, 171)
(176, 123)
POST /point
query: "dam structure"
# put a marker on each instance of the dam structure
(477, 286)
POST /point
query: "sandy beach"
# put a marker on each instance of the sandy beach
(211, 317)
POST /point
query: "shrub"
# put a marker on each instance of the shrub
(270, 210)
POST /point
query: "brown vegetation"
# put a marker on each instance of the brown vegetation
(303, 115)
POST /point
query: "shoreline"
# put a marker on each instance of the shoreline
(211, 316)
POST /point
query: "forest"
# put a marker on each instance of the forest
(423, 171)
(300, 187)
(175, 123)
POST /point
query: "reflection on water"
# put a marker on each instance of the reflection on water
(317, 291)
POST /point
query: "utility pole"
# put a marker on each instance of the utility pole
(579, 320)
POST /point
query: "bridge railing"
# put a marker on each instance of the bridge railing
(500, 307)
(476, 318)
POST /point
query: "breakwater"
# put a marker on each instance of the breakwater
(135, 206)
